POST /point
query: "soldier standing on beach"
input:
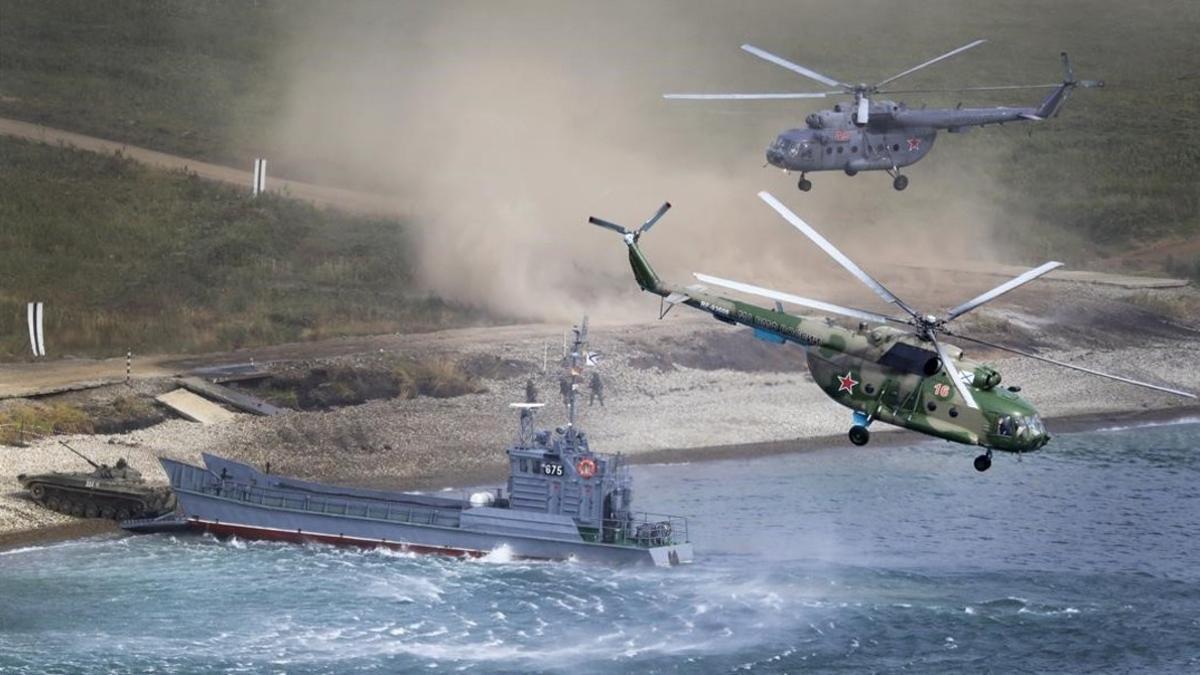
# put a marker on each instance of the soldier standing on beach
(597, 390)
(564, 388)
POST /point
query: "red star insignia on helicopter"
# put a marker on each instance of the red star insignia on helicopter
(847, 382)
(914, 144)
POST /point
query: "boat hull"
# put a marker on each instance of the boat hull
(252, 511)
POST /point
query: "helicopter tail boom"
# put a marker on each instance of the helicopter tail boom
(642, 271)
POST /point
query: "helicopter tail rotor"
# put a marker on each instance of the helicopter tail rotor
(1054, 103)
(1069, 74)
(632, 236)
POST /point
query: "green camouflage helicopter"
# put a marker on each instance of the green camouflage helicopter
(902, 376)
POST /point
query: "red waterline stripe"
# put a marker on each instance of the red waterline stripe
(300, 536)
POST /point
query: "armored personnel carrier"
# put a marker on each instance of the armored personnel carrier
(113, 492)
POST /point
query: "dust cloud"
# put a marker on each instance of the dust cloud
(503, 126)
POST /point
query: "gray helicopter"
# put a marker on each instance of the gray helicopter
(884, 135)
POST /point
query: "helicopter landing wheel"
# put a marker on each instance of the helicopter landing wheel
(859, 435)
(851, 172)
(805, 185)
(900, 182)
(983, 462)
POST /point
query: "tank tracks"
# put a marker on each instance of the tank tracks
(85, 503)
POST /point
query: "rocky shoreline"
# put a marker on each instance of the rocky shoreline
(685, 389)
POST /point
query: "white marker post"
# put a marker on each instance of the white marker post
(260, 176)
(34, 312)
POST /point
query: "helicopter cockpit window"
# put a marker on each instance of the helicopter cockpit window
(1019, 426)
(1004, 426)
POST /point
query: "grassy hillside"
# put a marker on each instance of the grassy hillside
(1118, 172)
(130, 257)
(190, 78)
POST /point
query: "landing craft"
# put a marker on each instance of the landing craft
(891, 369)
(885, 135)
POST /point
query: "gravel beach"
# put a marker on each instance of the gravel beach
(677, 390)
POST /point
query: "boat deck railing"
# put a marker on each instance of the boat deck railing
(331, 505)
(646, 530)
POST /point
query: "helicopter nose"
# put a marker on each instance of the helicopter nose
(1033, 440)
(774, 157)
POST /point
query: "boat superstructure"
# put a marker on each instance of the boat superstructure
(562, 501)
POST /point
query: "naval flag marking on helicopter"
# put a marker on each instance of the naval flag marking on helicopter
(34, 315)
(841, 135)
(914, 144)
(847, 382)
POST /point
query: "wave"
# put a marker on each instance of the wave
(1147, 425)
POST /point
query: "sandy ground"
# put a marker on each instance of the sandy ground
(680, 389)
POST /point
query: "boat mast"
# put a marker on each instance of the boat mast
(575, 362)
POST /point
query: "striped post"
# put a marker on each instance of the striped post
(37, 337)
(260, 176)
(129, 368)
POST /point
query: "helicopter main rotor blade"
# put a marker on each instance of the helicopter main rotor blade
(1002, 289)
(654, 219)
(795, 68)
(930, 62)
(954, 373)
(797, 300)
(1081, 369)
(749, 97)
(1002, 87)
(836, 254)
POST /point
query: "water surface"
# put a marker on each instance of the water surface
(1083, 557)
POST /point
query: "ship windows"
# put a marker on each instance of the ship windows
(829, 151)
(840, 148)
(524, 466)
(854, 148)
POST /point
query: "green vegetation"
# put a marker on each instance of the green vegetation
(324, 388)
(1169, 303)
(129, 257)
(190, 78)
(22, 423)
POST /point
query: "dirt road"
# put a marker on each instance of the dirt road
(19, 380)
(320, 195)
